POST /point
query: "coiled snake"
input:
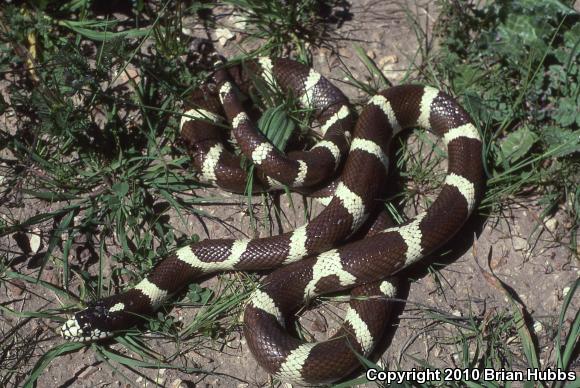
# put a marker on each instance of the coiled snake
(362, 265)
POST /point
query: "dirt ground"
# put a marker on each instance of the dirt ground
(522, 248)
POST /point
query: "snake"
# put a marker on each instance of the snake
(352, 244)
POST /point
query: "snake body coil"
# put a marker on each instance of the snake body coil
(362, 265)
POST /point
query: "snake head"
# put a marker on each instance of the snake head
(92, 324)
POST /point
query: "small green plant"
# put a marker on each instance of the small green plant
(517, 66)
(280, 25)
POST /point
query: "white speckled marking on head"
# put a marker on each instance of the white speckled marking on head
(412, 236)
(361, 330)
(224, 90)
(372, 148)
(465, 187)
(117, 307)
(327, 264)
(388, 288)
(467, 130)
(238, 248)
(242, 116)
(155, 294)
(210, 163)
(198, 114)
(429, 95)
(261, 152)
(267, 70)
(387, 109)
(297, 245)
(98, 334)
(71, 329)
(291, 369)
(311, 81)
(342, 113)
(333, 148)
(353, 204)
(302, 172)
(264, 302)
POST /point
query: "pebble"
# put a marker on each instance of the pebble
(565, 291)
(35, 240)
(344, 52)
(177, 383)
(239, 21)
(388, 60)
(551, 224)
(520, 244)
(223, 35)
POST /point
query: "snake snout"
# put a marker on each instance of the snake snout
(82, 327)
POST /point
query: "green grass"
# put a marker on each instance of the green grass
(92, 153)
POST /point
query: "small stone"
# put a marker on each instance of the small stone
(223, 35)
(565, 291)
(388, 65)
(133, 74)
(538, 327)
(187, 31)
(239, 21)
(388, 60)
(344, 52)
(520, 244)
(177, 383)
(35, 240)
(551, 224)
(371, 54)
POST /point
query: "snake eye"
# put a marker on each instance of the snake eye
(86, 329)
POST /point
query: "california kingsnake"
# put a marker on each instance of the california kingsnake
(362, 264)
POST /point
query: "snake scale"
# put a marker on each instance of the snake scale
(314, 257)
